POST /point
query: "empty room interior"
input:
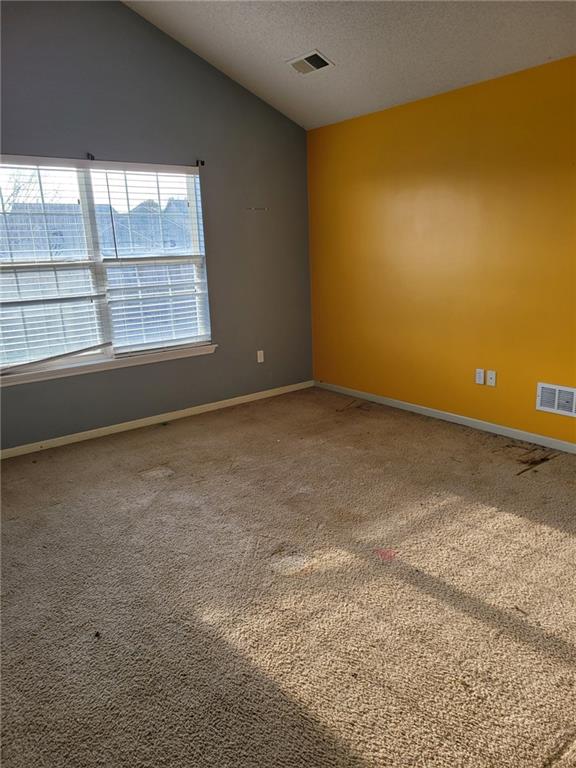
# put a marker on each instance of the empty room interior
(288, 384)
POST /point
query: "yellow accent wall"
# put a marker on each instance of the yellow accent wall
(443, 239)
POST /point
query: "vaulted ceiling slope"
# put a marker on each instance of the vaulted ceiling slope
(385, 53)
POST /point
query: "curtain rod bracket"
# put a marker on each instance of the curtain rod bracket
(90, 156)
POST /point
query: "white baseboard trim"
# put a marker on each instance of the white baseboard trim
(160, 418)
(485, 426)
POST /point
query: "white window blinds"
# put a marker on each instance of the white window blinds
(97, 257)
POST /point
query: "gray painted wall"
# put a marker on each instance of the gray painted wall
(95, 77)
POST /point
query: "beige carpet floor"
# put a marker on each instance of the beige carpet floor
(308, 580)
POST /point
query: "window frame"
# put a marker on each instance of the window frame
(72, 364)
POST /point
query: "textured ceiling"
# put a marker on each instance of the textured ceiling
(385, 53)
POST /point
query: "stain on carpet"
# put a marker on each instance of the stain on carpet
(287, 565)
(386, 554)
(534, 457)
(157, 473)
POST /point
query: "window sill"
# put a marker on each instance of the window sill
(28, 377)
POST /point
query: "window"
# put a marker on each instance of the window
(99, 261)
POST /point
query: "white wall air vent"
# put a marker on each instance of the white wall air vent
(310, 62)
(556, 399)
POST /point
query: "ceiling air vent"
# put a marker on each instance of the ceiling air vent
(311, 62)
(556, 399)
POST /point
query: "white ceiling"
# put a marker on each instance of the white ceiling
(385, 53)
